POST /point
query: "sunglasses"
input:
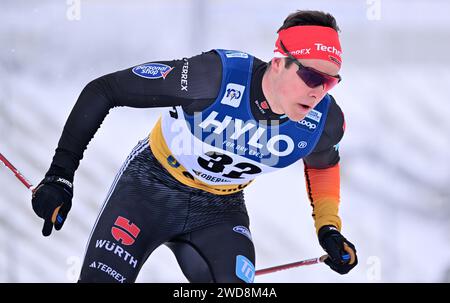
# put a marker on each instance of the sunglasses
(311, 76)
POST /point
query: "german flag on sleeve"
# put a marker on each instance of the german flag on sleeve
(323, 188)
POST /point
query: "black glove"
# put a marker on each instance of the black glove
(52, 200)
(341, 253)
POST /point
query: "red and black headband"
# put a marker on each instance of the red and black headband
(310, 42)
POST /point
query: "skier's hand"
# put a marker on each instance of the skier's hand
(52, 200)
(341, 253)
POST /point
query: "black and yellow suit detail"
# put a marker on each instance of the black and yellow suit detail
(162, 152)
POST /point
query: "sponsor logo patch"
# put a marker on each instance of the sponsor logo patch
(243, 231)
(64, 181)
(232, 54)
(233, 94)
(245, 270)
(335, 60)
(262, 106)
(173, 162)
(302, 144)
(184, 75)
(124, 232)
(152, 70)
(117, 250)
(302, 51)
(314, 115)
(307, 124)
(109, 271)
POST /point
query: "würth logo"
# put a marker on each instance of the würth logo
(125, 232)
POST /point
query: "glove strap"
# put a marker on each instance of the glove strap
(327, 229)
(66, 184)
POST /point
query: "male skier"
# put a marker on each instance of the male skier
(230, 118)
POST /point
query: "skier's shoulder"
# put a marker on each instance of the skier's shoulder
(335, 114)
(334, 126)
(235, 56)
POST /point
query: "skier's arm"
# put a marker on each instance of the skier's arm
(190, 83)
(323, 186)
(202, 75)
(322, 171)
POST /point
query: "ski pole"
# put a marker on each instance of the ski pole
(16, 172)
(291, 265)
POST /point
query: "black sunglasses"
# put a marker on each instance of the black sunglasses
(311, 76)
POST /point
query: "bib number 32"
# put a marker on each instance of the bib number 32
(218, 163)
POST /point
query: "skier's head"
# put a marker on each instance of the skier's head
(306, 63)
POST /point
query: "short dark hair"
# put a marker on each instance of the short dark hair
(308, 17)
(318, 18)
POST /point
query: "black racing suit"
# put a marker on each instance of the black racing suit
(146, 206)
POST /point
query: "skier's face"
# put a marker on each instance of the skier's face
(290, 94)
